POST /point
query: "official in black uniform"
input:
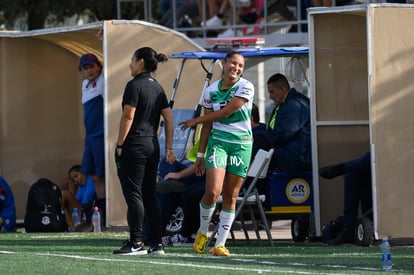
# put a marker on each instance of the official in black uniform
(138, 152)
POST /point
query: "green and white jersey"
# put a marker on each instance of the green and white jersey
(235, 128)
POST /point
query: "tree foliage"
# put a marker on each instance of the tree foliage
(38, 12)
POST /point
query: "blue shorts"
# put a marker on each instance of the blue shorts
(93, 161)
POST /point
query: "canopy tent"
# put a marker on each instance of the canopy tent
(362, 101)
(41, 112)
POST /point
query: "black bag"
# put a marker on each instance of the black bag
(44, 211)
(331, 230)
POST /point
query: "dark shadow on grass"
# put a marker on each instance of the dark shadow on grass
(59, 243)
(62, 242)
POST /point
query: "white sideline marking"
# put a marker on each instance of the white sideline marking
(147, 261)
(71, 235)
(54, 237)
(7, 252)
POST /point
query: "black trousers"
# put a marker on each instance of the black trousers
(357, 188)
(137, 171)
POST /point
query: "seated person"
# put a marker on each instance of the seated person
(194, 187)
(289, 126)
(86, 193)
(69, 201)
(193, 191)
(185, 12)
(188, 196)
(76, 195)
(278, 6)
(247, 12)
(261, 140)
(357, 188)
(7, 207)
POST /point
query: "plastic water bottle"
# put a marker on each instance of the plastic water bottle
(75, 218)
(96, 220)
(386, 255)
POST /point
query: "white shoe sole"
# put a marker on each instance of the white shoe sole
(141, 252)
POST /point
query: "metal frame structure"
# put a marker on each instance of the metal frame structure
(147, 8)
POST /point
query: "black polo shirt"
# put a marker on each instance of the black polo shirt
(148, 97)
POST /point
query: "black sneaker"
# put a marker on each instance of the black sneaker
(131, 248)
(156, 249)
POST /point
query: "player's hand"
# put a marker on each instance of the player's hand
(170, 156)
(200, 167)
(187, 124)
(172, 176)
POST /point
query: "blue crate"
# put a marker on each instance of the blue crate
(290, 193)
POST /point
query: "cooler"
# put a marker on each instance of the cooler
(290, 193)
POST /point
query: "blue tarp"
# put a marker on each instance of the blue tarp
(246, 52)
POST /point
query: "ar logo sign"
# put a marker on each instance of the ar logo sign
(297, 190)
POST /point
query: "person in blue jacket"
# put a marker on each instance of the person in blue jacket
(7, 207)
(289, 126)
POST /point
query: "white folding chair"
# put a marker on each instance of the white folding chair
(251, 198)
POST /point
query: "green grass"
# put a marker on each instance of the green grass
(89, 253)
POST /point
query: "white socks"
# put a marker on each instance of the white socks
(206, 212)
(226, 221)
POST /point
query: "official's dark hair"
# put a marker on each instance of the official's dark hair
(279, 80)
(255, 114)
(151, 58)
